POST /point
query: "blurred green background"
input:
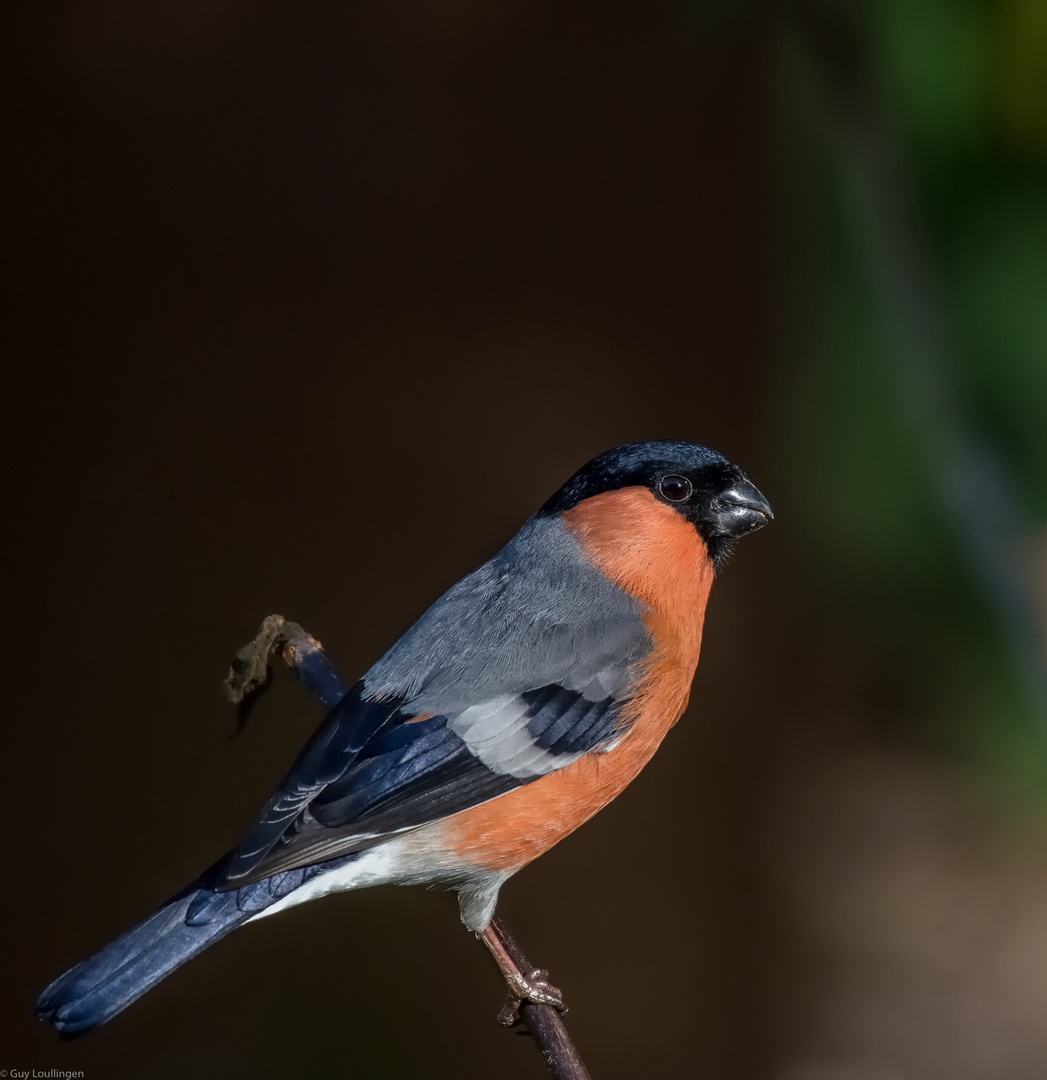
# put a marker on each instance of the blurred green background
(314, 304)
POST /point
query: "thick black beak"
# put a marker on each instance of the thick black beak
(739, 509)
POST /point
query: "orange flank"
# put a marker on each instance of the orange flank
(652, 552)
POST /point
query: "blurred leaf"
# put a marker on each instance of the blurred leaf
(1020, 73)
(936, 56)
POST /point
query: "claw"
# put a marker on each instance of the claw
(509, 1014)
(533, 987)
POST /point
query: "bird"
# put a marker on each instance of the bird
(522, 701)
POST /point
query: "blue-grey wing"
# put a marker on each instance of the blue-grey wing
(518, 671)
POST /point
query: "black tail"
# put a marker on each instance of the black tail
(96, 990)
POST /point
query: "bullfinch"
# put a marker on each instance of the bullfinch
(518, 705)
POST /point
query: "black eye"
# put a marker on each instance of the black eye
(675, 488)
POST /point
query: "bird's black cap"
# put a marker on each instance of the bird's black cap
(714, 495)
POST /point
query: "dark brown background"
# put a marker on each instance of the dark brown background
(314, 304)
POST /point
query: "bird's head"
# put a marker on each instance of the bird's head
(716, 497)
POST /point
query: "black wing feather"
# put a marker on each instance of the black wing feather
(326, 757)
(371, 771)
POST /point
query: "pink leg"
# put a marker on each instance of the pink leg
(522, 987)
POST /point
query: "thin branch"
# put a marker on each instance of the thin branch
(544, 1022)
(249, 677)
(250, 671)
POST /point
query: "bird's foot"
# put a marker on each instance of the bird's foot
(533, 987)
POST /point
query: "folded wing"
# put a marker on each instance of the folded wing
(519, 670)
